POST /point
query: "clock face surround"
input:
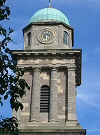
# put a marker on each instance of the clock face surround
(46, 36)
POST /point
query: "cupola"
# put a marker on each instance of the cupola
(48, 28)
(49, 14)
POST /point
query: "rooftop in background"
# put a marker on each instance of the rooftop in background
(49, 14)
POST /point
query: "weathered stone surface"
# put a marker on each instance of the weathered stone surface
(35, 100)
(57, 27)
(64, 84)
(48, 131)
(53, 112)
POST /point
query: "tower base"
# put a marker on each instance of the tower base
(51, 129)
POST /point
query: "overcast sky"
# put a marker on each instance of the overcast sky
(84, 17)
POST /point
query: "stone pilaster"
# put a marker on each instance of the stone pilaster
(53, 111)
(71, 94)
(32, 35)
(60, 35)
(35, 102)
(25, 40)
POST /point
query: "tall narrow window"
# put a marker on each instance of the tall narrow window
(44, 98)
(65, 38)
(29, 38)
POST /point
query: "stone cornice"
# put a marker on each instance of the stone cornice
(49, 130)
(48, 23)
(75, 54)
(47, 51)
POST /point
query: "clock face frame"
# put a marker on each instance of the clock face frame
(46, 36)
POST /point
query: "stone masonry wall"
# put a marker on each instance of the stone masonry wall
(24, 115)
(65, 77)
(62, 90)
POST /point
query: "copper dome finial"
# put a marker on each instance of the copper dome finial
(50, 1)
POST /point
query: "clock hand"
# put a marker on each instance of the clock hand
(47, 37)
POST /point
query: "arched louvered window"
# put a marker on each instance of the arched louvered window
(65, 38)
(44, 98)
(29, 38)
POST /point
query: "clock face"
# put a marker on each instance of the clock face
(46, 36)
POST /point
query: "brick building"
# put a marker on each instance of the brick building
(53, 70)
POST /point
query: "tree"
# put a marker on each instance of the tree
(11, 83)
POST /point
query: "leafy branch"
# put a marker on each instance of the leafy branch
(12, 84)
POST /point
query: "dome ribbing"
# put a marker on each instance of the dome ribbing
(49, 15)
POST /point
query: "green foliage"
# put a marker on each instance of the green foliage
(11, 82)
(4, 10)
(8, 126)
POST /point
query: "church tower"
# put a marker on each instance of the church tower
(53, 71)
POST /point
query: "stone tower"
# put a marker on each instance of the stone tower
(53, 70)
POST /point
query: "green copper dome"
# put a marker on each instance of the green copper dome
(49, 14)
